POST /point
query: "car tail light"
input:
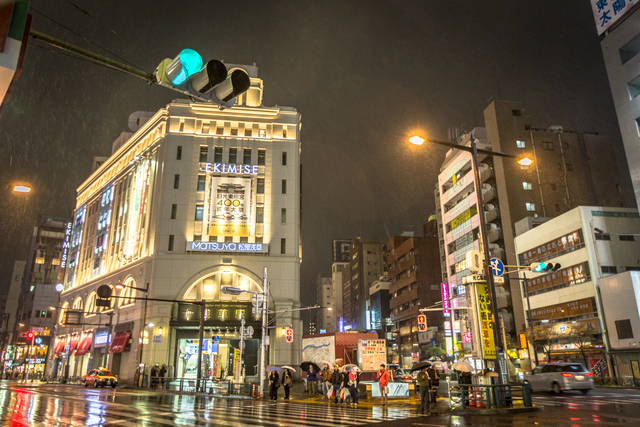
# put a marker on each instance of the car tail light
(406, 377)
(588, 375)
(564, 374)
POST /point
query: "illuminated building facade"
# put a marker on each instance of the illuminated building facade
(197, 198)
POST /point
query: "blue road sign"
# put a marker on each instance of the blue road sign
(216, 338)
(497, 267)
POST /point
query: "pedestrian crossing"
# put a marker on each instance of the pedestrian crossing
(68, 406)
(578, 401)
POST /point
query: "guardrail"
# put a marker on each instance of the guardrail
(488, 396)
(204, 385)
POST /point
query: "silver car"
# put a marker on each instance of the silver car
(559, 377)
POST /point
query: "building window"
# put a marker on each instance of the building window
(202, 179)
(176, 182)
(204, 153)
(283, 246)
(260, 186)
(262, 156)
(179, 153)
(220, 130)
(548, 146)
(557, 206)
(228, 239)
(259, 239)
(531, 207)
(174, 211)
(630, 49)
(553, 187)
(181, 129)
(284, 186)
(259, 215)
(233, 155)
(608, 269)
(284, 158)
(619, 188)
(205, 128)
(171, 238)
(520, 144)
(217, 155)
(199, 212)
(626, 238)
(632, 268)
(234, 131)
(569, 167)
(248, 132)
(197, 237)
(246, 156)
(263, 133)
(624, 329)
(603, 236)
(516, 113)
(283, 216)
(526, 186)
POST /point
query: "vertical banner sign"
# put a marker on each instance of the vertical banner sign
(229, 210)
(74, 249)
(215, 366)
(236, 362)
(102, 235)
(137, 217)
(485, 312)
(372, 353)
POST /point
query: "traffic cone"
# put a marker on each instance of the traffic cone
(479, 398)
(472, 396)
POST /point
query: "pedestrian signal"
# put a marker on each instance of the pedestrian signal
(289, 334)
(422, 323)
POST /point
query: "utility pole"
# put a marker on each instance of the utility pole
(265, 308)
(200, 344)
(238, 372)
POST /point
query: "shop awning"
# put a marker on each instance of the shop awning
(73, 343)
(84, 345)
(119, 342)
(60, 344)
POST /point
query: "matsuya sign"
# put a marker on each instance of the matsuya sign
(259, 248)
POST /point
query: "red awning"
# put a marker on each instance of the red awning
(60, 344)
(73, 343)
(119, 342)
(84, 345)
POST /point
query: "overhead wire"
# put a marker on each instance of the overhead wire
(84, 12)
(83, 37)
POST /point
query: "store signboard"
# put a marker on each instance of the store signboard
(606, 12)
(485, 313)
(256, 248)
(371, 354)
(237, 365)
(228, 209)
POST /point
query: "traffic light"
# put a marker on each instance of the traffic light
(289, 334)
(542, 267)
(28, 335)
(422, 323)
(212, 83)
(104, 296)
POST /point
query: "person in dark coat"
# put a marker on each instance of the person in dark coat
(154, 376)
(162, 373)
(434, 378)
(274, 383)
(336, 382)
(287, 381)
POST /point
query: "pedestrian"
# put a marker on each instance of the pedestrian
(434, 378)
(287, 380)
(425, 385)
(162, 373)
(154, 376)
(326, 381)
(353, 386)
(345, 394)
(336, 381)
(274, 383)
(383, 382)
(312, 377)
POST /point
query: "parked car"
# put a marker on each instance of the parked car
(99, 378)
(559, 377)
(403, 375)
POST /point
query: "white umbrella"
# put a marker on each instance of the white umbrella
(463, 366)
(323, 362)
(349, 366)
(288, 367)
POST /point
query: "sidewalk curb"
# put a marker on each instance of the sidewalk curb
(500, 411)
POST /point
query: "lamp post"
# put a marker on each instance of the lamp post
(17, 187)
(121, 286)
(497, 334)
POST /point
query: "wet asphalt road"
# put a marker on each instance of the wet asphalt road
(65, 405)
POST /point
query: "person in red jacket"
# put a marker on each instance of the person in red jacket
(383, 381)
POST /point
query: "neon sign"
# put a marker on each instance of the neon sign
(65, 246)
(445, 300)
(227, 247)
(226, 168)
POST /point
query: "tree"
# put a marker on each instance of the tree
(583, 337)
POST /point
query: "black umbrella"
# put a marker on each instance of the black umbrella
(418, 366)
(305, 366)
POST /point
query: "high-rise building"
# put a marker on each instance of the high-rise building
(565, 316)
(337, 289)
(366, 265)
(569, 169)
(621, 51)
(326, 318)
(38, 299)
(196, 200)
(413, 265)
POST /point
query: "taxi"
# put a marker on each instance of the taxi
(99, 378)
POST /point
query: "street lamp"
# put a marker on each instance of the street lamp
(120, 286)
(474, 150)
(17, 187)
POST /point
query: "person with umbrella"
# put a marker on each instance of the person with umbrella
(353, 386)
(424, 384)
(435, 381)
(336, 381)
(326, 381)
(274, 383)
(287, 380)
(312, 378)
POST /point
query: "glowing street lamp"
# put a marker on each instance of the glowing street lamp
(21, 189)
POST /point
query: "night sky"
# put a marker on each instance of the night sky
(365, 75)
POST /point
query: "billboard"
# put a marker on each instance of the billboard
(228, 209)
(485, 314)
(341, 250)
(137, 209)
(371, 354)
(104, 219)
(606, 12)
(74, 246)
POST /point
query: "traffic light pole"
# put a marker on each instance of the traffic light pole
(238, 372)
(265, 331)
(33, 337)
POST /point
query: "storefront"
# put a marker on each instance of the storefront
(221, 344)
(29, 358)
